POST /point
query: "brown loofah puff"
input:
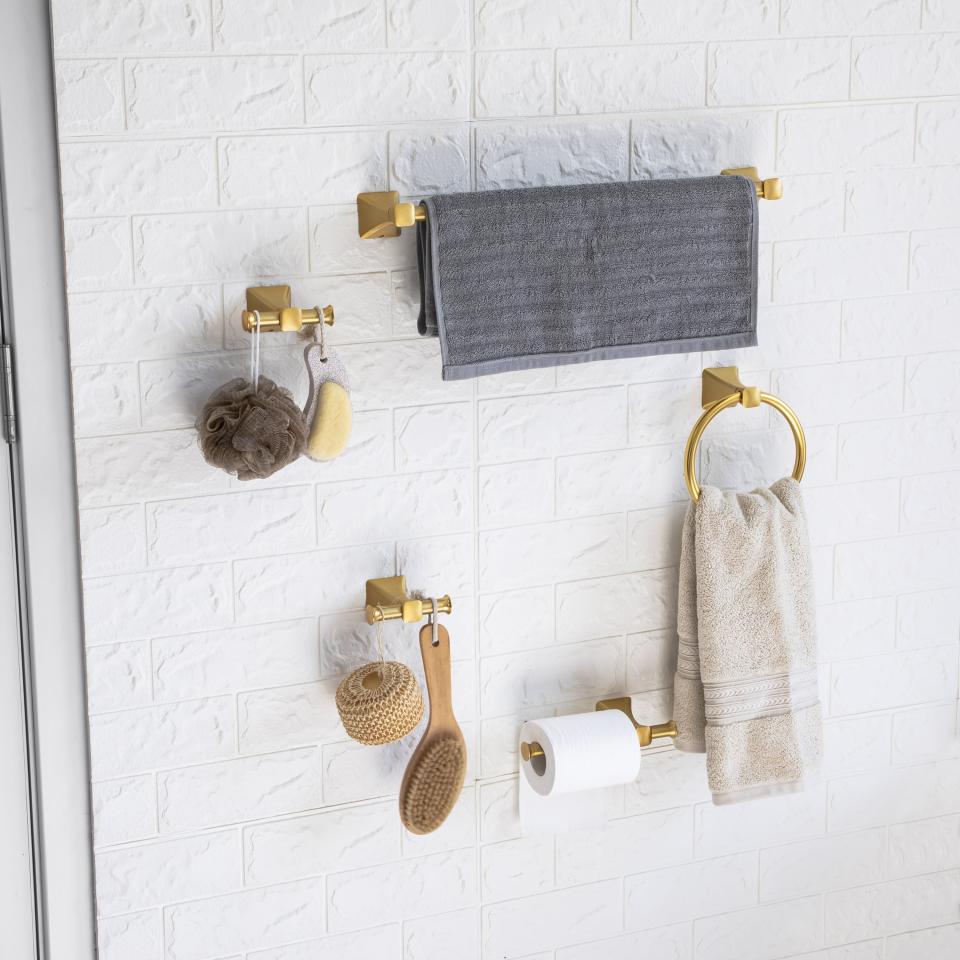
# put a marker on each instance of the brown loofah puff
(251, 435)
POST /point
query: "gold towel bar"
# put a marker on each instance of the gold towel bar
(381, 214)
(645, 734)
(276, 314)
(722, 389)
(387, 599)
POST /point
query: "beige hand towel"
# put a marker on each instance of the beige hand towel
(746, 687)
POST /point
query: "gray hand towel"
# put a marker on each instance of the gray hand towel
(515, 279)
(746, 688)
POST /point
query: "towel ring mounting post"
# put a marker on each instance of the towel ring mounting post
(722, 389)
(381, 213)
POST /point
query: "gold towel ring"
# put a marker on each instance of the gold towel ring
(722, 389)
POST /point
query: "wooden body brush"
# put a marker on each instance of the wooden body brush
(434, 776)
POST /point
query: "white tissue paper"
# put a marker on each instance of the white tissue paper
(583, 754)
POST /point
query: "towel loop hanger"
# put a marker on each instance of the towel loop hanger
(722, 389)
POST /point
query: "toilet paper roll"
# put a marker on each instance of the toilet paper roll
(583, 753)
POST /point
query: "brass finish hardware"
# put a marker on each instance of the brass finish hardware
(645, 734)
(387, 599)
(769, 189)
(530, 750)
(382, 214)
(722, 389)
(276, 313)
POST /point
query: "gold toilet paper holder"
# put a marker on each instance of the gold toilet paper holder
(646, 734)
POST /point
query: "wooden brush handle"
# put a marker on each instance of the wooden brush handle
(436, 668)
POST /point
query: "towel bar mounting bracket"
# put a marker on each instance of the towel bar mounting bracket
(381, 214)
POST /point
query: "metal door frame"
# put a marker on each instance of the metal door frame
(44, 487)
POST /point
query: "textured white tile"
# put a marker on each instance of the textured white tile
(547, 552)
(723, 830)
(928, 619)
(97, 253)
(777, 71)
(845, 138)
(564, 916)
(131, 935)
(405, 889)
(661, 839)
(515, 83)
(608, 79)
(894, 795)
(124, 809)
(878, 567)
(917, 65)
(933, 254)
(665, 943)
(212, 93)
(689, 891)
(150, 874)
(805, 270)
(526, 681)
(551, 154)
(245, 920)
(235, 525)
(136, 605)
(245, 789)
(436, 938)
(518, 428)
(320, 843)
(517, 868)
(219, 246)
(761, 933)
(425, 162)
(811, 17)
(299, 169)
(938, 132)
(89, 97)
(112, 540)
(427, 23)
(378, 88)
(137, 176)
(614, 605)
(261, 26)
(822, 865)
(508, 23)
(118, 676)
(522, 492)
(118, 27)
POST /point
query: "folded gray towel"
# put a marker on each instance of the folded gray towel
(515, 279)
(746, 687)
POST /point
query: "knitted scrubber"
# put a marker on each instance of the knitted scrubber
(375, 713)
(251, 434)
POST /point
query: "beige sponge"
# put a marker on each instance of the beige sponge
(332, 421)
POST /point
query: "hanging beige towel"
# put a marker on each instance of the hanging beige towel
(746, 687)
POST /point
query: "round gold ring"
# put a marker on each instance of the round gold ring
(693, 441)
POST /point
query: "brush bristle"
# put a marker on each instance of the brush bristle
(434, 784)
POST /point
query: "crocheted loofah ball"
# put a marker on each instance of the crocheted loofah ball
(251, 435)
(380, 702)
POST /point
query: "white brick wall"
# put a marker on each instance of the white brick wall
(211, 144)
